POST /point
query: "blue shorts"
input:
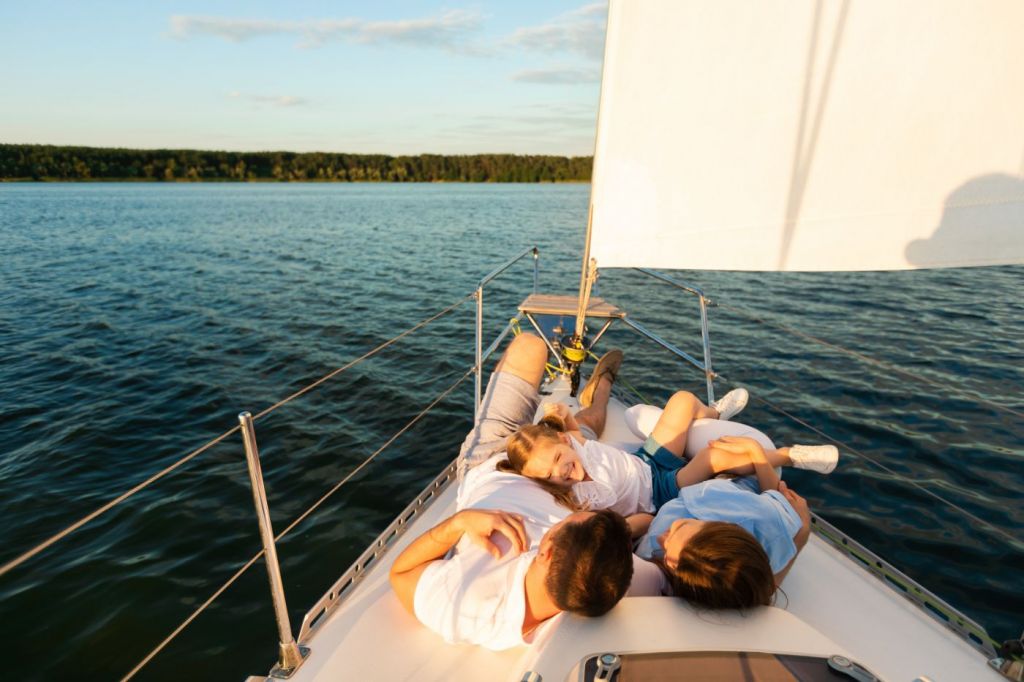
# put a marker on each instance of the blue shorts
(664, 466)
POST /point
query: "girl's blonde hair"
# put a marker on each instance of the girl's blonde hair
(522, 444)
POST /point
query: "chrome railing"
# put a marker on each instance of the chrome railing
(481, 356)
(702, 301)
(290, 655)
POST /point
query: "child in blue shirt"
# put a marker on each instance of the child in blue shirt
(729, 543)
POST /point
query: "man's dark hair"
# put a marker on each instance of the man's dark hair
(591, 564)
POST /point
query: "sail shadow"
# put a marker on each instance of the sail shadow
(809, 127)
(982, 224)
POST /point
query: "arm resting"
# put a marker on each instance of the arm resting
(414, 559)
(639, 523)
(800, 540)
(476, 524)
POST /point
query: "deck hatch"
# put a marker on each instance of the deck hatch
(721, 665)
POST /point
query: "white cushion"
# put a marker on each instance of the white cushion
(641, 420)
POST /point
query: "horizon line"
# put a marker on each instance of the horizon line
(284, 151)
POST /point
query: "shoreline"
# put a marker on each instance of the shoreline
(48, 163)
(267, 181)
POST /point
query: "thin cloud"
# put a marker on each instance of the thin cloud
(580, 32)
(450, 30)
(558, 76)
(232, 30)
(279, 101)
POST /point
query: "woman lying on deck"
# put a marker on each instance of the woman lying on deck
(729, 543)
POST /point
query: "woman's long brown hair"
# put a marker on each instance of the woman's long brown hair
(723, 567)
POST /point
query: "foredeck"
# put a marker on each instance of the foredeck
(832, 605)
(562, 305)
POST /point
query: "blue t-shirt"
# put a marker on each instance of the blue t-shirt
(767, 516)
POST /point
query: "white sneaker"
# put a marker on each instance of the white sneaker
(731, 404)
(820, 458)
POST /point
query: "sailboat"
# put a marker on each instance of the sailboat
(772, 136)
(779, 135)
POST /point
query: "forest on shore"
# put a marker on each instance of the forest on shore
(22, 162)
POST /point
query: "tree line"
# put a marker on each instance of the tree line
(46, 162)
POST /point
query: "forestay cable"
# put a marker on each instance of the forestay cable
(238, 574)
(870, 360)
(22, 558)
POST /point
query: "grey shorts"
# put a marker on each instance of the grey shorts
(510, 402)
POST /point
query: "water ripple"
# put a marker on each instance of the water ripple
(136, 321)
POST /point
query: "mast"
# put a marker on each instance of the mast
(588, 269)
(588, 273)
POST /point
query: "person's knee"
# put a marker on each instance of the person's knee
(528, 347)
(682, 401)
(525, 357)
(525, 352)
(719, 461)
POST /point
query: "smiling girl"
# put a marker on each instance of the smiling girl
(587, 474)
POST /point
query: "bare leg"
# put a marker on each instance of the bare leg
(596, 415)
(525, 357)
(710, 462)
(674, 425)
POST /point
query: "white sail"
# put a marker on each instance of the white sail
(811, 135)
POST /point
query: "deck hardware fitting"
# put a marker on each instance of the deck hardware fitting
(607, 666)
(851, 669)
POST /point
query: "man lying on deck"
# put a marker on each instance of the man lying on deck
(514, 569)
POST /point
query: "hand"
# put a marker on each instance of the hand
(798, 503)
(560, 410)
(478, 525)
(740, 445)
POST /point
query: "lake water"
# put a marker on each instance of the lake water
(137, 320)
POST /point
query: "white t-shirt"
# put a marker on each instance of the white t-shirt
(472, 597)
(622, 482)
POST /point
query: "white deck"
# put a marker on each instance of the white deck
(834, 607)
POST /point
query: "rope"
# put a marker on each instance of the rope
(362, 357)
(872, 361)
(22, 558)
(195, 614)
(17, 561)
(277, 538)
(643, 399)
(552, 370)
(999, 531)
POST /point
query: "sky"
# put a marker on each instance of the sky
(396, 77)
